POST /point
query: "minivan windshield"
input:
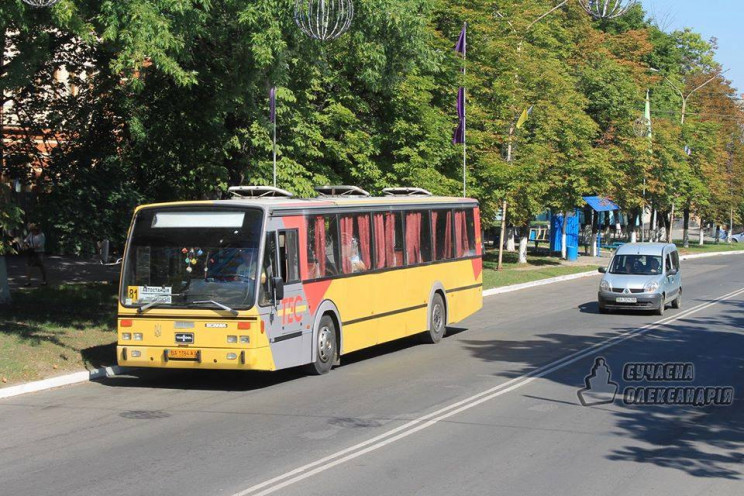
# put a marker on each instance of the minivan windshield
(646, 265)
(186, 257)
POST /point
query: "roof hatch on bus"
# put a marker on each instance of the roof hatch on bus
(347, 191)
(258, 192)
(405, 191)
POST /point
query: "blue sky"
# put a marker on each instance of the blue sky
(723, 19)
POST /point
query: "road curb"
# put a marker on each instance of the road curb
(714, 254)
(540, 282)
(63, 380)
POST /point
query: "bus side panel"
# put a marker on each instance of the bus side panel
(355, 297)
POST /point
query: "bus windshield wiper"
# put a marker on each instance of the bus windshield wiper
(150, 305)
(217, 303)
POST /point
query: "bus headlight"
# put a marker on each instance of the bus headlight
(138, 336)
(245, 339)
(136, 354)
(126, 336)
(232, 356)
(232, 339)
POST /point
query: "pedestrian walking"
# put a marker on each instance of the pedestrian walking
(34, 245)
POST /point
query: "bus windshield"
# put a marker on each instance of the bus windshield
(192, 258)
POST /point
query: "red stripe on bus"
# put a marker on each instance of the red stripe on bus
(315, 292)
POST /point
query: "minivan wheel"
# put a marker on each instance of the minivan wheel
(677, 303)
(660, 310)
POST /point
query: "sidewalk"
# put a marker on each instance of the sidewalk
(60, 270)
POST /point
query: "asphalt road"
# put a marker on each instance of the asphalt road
(493, 409)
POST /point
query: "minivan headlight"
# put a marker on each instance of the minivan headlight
(650, 287)
(605, 285)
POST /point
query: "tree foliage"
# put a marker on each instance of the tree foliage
(171, 102)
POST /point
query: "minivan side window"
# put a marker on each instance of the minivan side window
(675, 259)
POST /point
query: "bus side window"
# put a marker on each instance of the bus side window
(418, 237)
(388, 229)
(356, 245)
(268, 270)
(441, 220)
(322, 246)
(289, 255)
(464, 233)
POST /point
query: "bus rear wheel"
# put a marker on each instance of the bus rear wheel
(437, 319)
(325, 347)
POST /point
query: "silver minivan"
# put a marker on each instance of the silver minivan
(641, 276)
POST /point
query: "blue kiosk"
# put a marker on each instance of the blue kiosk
(572, 234)
(600, 204)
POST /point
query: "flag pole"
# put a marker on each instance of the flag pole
(272, 113)
(464, 118)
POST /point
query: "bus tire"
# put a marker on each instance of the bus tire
(438, 319)
(326, 347)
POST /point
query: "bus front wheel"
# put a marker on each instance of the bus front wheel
(437, 319)
(325, 347)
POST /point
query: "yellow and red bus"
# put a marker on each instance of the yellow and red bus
(266, 281)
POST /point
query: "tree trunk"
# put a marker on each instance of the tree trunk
(595, 218)
(701, 238)
(510, 239)
(4, 288)
(718, 234)
(731, 226)
(563, 235)
(594, 245)
(671, 226)
(686, 228)
(523, 240)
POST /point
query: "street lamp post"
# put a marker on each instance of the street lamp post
(686, 217)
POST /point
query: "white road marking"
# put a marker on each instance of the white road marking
(342, 456)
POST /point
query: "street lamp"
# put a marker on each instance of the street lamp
(40, 3)
(686, 235)
(681, 94)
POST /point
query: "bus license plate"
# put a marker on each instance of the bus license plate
(623, 299)
(183, 354)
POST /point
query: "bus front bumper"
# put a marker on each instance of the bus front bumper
(195, 358)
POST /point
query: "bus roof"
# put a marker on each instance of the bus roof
(299, 204)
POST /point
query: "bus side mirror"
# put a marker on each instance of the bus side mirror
(278, 284)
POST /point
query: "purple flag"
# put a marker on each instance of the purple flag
(462, 43)
(272, 103)
(459, 136)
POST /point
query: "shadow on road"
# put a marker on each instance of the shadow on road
(232, 380)
(703, 442)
